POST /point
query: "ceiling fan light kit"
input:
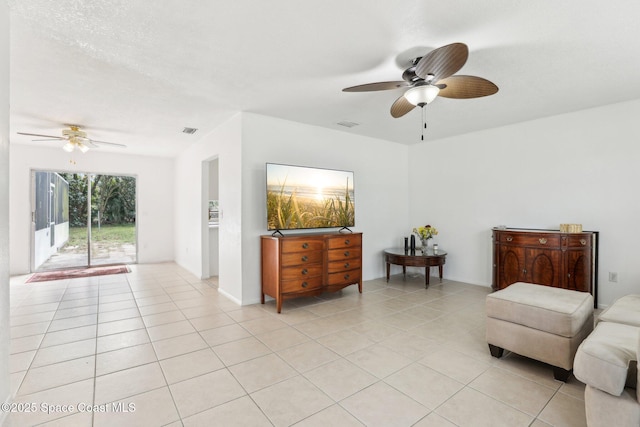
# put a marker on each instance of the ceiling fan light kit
(68, 147)
(422, 95)
(75, 143)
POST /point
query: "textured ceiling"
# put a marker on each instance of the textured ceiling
(136, 72)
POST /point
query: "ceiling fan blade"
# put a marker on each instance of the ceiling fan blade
(401, 107)
(443, 62)
(465, 87)
(44, 136)
(107, 143)
(89, 143)
(370, 87)
(48, 139)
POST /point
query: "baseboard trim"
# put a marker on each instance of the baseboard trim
(229, 296)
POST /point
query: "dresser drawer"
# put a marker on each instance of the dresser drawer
(347, 241)
(577, 240)
(300, 285)
(343, 265)
(301, 272)
(340, 254)
(301, 245)
(302, 258)
(344, 278)
(525, 239)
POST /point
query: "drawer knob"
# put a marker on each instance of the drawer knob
(509, 238)
(346, 276)
(542, 241)
(346, 242)
(305, 245)
(346, 265)
(346, 253)
(583, 242)
(305, 284)
(304, 271)
(305, 258)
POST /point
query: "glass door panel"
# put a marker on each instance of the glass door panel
(59, 234)
(113, 220)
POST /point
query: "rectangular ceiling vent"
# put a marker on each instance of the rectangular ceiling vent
(348, 124)
(190, 131)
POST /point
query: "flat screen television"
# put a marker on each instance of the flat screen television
(301, 197)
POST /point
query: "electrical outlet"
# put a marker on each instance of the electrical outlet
(613, 277)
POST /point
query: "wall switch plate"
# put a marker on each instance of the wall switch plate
(613, 277)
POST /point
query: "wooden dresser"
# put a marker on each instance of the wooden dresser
(309, 264)
(545, 257)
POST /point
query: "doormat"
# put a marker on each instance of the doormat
(78, 272)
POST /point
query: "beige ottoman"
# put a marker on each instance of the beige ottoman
(543, 323)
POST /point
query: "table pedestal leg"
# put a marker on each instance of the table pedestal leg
(440, 271)
(388, 269)
(426, 276)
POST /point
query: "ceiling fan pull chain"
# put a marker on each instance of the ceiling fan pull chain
(424, 122)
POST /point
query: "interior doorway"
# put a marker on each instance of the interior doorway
(211, 219)
(82, 220)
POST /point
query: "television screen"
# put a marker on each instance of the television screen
(300, 197)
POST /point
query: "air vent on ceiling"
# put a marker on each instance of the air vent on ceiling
(190, 131)
(348, 124)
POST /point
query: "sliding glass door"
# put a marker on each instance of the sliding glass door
(82, 220)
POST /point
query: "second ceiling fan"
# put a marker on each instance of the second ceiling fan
(76, 139)
(430, 76)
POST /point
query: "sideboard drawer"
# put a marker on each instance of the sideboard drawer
(301, 272)
(301, 245)
(577, 240)
(343, 265)
(526, 239)
(344, 277)
(346, 253)
(301, 285)
(346, 241)
(302, 258)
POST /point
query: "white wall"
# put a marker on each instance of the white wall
(581, 167)
(243, 145)
(380, 178)
(191, 204)
(4, 207)
(155, 192)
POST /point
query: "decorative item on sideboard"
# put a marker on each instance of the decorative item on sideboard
(571, 228)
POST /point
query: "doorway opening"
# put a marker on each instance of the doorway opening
(82, 220)
(211, 223)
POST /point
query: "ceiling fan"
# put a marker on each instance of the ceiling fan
(430, 76)
(76, 139)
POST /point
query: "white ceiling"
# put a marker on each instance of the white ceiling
(137, 71)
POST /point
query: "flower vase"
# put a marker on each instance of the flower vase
(425, 245)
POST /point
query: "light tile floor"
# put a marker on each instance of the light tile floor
(159, 347)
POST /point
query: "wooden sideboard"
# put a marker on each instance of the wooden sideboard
(309, 264)
(545, 257)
